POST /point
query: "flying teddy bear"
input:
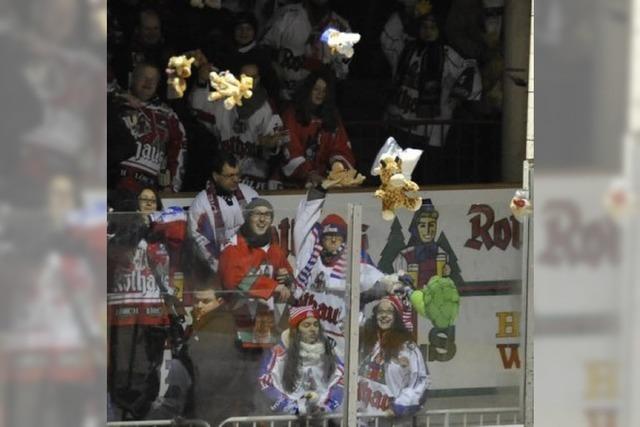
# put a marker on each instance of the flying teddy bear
(178, 71)
(338, 42)
(394, 187)
(227, 86)
(339, 176)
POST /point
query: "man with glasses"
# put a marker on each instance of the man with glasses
(255, 274)
(216, 212)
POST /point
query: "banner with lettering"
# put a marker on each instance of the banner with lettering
(474, 237)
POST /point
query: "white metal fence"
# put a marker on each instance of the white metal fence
(178, 422)
(433, 418)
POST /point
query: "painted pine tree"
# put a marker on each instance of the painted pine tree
(395, 243)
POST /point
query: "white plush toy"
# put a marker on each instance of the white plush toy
(226, 86)
(339, 42)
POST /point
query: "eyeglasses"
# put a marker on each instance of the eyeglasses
(263, 215)
(145, 200)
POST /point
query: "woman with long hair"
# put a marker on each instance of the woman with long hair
(317, 137)
(393, 375)
(302, 375)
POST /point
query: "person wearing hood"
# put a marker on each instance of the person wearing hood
(393, 375)
(302, 375)
(253, 132)
(321, 266)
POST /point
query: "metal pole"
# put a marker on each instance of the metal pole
(351, 333)
(517, 15)
(526, 394)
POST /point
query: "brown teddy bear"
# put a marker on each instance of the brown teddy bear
(394, 187)
(178, 71)
(339, 176)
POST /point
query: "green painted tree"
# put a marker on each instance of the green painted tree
(395, 243)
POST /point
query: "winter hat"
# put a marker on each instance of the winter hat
(298, 314)
(405, 314)
(334, 224)
(245, 18)
(256, 203)
(395, 301)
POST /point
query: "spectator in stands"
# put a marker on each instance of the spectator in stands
(153, 129)
(398, 30)
(149, 201)
(216, 212)
(464, 28)
(294, 36)
(393, 375)
(317, 137)
(430, 81)
(302, 375)
(147, 45)
(253, 132)
(255, 272)
(321, 258)
(246, 50)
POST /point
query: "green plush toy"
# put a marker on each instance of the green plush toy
(438, 301)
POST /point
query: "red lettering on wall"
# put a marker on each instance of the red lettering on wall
(490, 232)
(513, 356)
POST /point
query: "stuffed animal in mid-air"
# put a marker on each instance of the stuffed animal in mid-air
(438, 301)
(226, 86)
(339, 42)
(394, 188)
(339, 176)
(178, 71)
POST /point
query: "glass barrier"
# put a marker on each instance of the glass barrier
(205, 327)
(448, 334)
(255, 326)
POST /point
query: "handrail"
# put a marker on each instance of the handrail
(177, 422)
(447, 413)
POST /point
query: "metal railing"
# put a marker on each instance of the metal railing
(432, 418)
(178, 422)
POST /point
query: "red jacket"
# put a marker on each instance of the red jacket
(313, 149)
(251, 271)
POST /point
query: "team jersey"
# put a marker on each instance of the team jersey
(241, 137)
(160, 144)
(397, 384)
(323, 286)
(299, 48)
(313, 149)
(311, 378)
(249, 274)
(455, 72)
(136, 292)
(212, 221)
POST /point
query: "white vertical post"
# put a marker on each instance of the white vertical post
(526, 387)
(350, 405)
(628, 371)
